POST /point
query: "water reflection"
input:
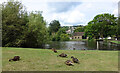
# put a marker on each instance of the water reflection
(78, 45)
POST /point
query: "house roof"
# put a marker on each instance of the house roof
(78, 34)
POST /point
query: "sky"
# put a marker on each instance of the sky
(71, 12)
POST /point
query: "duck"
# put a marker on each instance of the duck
(75, 60)
(73, 48)
(16, 58)
(54, 50)
(69, 63)
(63, 55)
(83, 49)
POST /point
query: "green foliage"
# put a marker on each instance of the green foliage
(66, 28)
(61, 31)
(102, 25)
(13, 23)
(64, 37)
(56, 37)
(79, 29)
(36, 30)
(54, 26)
(117, 42)
(60, 35)
(21, 30)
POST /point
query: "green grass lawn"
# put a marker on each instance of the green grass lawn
(78, 39)
(117, 42)
(47, 60)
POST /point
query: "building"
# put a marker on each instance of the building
(118, 37)
(119, 8)
(68, 31)
(71, 29)
(79, 35)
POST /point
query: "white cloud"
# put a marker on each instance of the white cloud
(80, 14)
(115, 12)
(68, 18)
(105, 1)
(75, 17)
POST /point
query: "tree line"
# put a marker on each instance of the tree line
(23, 29)
(102, 26)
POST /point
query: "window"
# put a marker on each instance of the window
(75, 37)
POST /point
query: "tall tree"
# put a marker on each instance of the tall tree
(79, 29)
(54, 26)
(61, 35)
(13, 22)
(36, 30)
(102, 25)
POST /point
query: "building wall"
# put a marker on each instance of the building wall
(119, 8)
(77, 37)
(87, 37)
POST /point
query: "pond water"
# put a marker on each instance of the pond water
(80, 45)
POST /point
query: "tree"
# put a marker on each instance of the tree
(21, 29)
(61, 31)
(54, 26)
(64, 37)
(66, 27)
(13, 23)
(56, 36)
(36, 30)
(79, 29)
(60, 35)
(102, 25)
(90, 30)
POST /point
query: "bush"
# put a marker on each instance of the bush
(64, 37)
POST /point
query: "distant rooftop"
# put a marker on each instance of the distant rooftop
(78, 34)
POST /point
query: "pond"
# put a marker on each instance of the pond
(80, 45)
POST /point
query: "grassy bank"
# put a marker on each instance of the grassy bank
(117, 42)
(46, 60)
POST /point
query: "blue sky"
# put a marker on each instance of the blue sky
(71, 12)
